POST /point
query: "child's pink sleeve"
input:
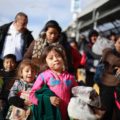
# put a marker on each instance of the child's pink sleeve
(37, 85)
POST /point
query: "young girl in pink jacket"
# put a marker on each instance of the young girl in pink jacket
(56, 78)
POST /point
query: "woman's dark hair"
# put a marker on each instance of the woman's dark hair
(117, 38)
(58, 48)
(52, 23)
(92, 32)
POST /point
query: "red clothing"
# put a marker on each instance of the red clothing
(78, 59)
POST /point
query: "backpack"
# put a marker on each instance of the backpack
(99, 72)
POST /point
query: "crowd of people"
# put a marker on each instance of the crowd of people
(37, 77)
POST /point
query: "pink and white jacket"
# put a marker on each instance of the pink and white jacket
(59, 84)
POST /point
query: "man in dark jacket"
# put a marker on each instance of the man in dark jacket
(15, 38)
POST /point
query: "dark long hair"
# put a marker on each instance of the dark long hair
(50, 23)
(59, 49)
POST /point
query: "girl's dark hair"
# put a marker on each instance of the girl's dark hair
(24, 63)
(59, 49)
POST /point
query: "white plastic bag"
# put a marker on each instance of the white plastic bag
(77, 109)
(100, 44)
(81, 106)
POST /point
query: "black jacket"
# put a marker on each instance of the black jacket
(26, 35)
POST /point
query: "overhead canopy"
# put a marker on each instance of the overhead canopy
(106, 17)
(109, 12)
